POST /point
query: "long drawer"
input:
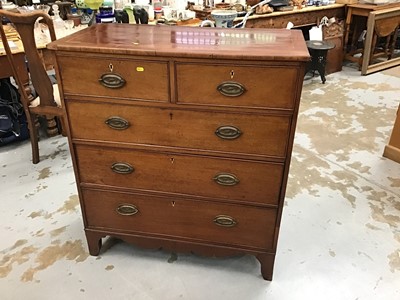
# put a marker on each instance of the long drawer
(176, 173)
(240, 86)
(206, 130)
(199, 220)
(144, 80)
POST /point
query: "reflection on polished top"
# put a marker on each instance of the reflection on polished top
(204, 37)
(278, 44)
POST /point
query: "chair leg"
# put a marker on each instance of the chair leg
(52, 129)
(36, 123)
(63, 127)
(33, 135)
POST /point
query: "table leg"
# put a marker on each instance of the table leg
(347, 28)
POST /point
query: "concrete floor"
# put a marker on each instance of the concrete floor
(340, 231)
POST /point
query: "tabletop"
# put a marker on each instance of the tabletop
(167, 41)
(373, 6)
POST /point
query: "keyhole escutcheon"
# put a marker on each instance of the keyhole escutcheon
(232, 74)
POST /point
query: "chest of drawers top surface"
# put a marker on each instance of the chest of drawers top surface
(148, 40)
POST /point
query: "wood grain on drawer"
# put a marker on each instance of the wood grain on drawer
(257, 134)
(180, 218)
(145, 80)
(264, 87)
(173, 173)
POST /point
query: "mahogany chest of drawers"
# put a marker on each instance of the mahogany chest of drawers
(181, 137)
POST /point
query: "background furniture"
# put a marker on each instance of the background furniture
(334, 33)
(44, 103)
(304, 18)
(392, 149)
(181, 137)
(357, 19)
(19, 59)
(307, 16)
(318, 51)
(5, 70)
(381, 24)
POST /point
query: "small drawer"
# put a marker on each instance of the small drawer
(176, 218)
(237, 86)
(115, 78)
(251, 134)
(228, 179)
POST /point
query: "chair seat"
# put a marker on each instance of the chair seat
(56, 94)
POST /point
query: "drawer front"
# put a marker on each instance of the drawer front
(200, 220)
(144, 80)
(172, 173)
(240, 86)
(223, 132)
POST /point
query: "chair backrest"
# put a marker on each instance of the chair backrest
(25, 24)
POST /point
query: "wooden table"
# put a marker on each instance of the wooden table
(355, 27)
(5, 70)
(361, 10)
(307, 16)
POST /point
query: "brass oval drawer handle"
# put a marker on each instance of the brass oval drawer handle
(117, 123)
(112, 80)
(122, 168)
(225, 221)
(127, 210)
(231, 89)
(228, 132)
(226, 179)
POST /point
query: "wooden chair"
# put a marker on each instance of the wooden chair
(47, 102)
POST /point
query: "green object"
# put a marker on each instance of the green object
(93, 4)
(130, 12)
(80, 4)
